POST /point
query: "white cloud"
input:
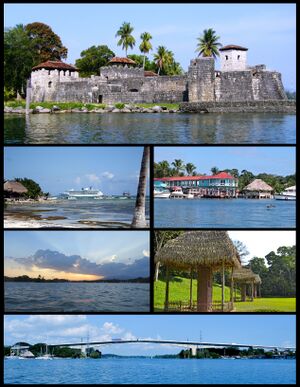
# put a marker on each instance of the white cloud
(111, 328)
(92, 177)
(146, 253)
(108, 175)
(78, 180)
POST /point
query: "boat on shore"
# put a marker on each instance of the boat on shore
(288, 194)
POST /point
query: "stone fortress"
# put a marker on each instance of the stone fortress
(122, 81)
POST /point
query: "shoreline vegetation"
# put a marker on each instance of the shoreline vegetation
(19, 107)
(25, 278)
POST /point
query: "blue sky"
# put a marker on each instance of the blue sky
(276, 160)
(268, 30)
(254, 329)
(57, 169)
(77, 256)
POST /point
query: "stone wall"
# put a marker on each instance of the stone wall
(201, 78)
(275, 106)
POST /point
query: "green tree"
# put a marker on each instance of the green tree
(190, 168)
(162, 169)
(126, 39)
(208, 44)
(18, 59)
(45, 43)
(92, 59)
(139, 60)
(242, 250)
(178, 166)
(145, 45)
(215, 170)
(245, 178)
(34, 190)
(162, 58)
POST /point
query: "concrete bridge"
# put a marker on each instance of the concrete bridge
(193, 345)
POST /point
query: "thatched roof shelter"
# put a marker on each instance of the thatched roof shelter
(199, 248)
(203, 252)
(14, 187)
(258, 185)
(244, 277)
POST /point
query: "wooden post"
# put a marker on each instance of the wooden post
(223, 286)
(231, 286)
(167, 290)
(244, 292)
(191, 290)
(204, 289)
(252, 290)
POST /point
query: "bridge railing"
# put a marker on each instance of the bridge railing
(184, 306)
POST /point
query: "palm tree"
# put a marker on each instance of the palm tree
(190, 168)
(162, 58)
(208, 44)
(139, 217)
(215, 170)
(145, 46)
(178, 165)
(126, 39)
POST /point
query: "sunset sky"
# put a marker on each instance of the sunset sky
(76, 255)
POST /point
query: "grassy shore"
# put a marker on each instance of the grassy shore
(88, 106)
(180, 289)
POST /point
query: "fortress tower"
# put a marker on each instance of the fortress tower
(201, 78)
(233, 58)
(46, 76)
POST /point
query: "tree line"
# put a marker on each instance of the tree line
(179, 168)
(26, 46)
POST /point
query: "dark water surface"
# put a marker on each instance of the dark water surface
(150, 128)
(150, 371)
(30, 297)
(227, 213)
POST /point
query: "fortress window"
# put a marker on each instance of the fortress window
(100, 99)
(133, 90)
(238, 57)
(226, 57)
(48, 72)
(50, 84)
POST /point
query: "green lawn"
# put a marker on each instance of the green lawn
(179, 290)
(267, 305)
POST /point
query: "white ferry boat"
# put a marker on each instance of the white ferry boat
(89, 193)
(288, 194)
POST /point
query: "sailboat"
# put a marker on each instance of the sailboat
(46, 356)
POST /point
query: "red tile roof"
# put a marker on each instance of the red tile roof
(117, 59)
(221, 175)
(55, 64)
(233, 47)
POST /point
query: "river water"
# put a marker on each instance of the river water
(224, 213)
(30, 297)
(150, 371)
(110, 213)
(150, 128)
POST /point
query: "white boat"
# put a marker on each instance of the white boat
(176, 193)
(288, 194)
(89, 193)
(44, 357)
(161, 194)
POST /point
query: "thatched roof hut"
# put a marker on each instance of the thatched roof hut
(258, 189)
(14, 188)
(244, 277)
(199, 248)
(203, 252)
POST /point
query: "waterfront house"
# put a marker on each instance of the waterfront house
(258, 189)
(221, 185)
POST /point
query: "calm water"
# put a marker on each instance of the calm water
(100, 211)
(76, 297)
(149, 128)
(219, 213)
(150, 371)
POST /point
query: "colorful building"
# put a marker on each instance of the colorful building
(220, 185)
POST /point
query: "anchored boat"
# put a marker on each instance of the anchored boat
(288, 194)
(84, 193)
